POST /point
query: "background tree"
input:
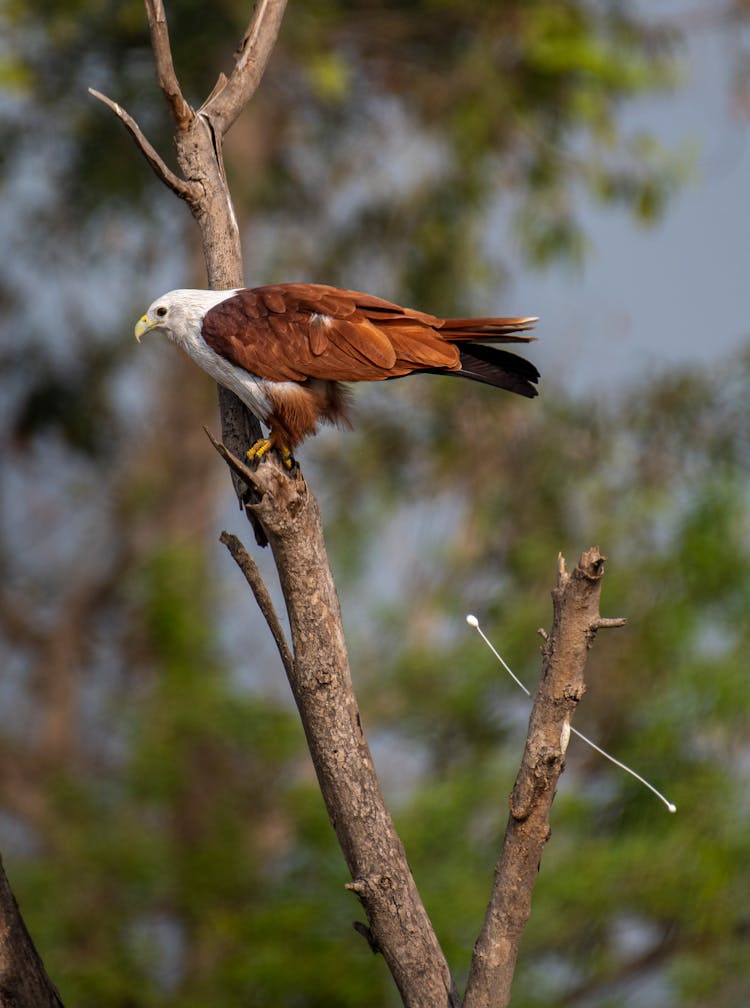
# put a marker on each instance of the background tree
(118, 736)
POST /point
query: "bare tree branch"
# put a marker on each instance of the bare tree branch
(23, 980)
(321, 683)
(229, 97)
(239, 468)
(610, 622)
(252, 575)
(575, 622)
(189, 191)
(243, 477)
(182, 113)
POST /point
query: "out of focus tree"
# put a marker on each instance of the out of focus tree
(157, 767)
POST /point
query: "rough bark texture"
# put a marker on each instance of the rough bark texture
(575, 622)
(23, 980)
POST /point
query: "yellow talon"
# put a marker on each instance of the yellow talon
(287, 459)
(264, 445)
(259, 449)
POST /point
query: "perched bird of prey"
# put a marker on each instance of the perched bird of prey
(285, 349)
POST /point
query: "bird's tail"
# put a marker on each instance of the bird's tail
(487, 330)
(488, 364)
(497, 367)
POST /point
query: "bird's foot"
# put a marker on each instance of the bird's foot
(263, 445)
(259, 449)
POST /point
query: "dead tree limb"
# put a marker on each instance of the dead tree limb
(229, 97)
(23, 980)
(575, 622)
(185, 190)
(170, 86)
(252, 575)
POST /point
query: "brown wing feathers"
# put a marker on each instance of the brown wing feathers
(293, 332)
(315, 337)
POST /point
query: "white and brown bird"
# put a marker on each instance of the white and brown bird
(285, 349)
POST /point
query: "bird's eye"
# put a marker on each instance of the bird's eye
(161, 311)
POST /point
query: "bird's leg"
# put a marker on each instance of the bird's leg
(263, 445)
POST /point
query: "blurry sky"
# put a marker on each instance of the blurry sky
(676, 293)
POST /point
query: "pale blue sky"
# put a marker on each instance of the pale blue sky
(677, 293)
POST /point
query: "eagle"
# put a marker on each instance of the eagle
(285, 349)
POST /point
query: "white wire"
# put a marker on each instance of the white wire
(474, 622)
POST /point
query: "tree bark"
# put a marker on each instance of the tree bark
(23, 980)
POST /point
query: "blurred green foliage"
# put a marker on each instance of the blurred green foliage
(626, 893)
(179, 854)
(516, 97)
(204, 859)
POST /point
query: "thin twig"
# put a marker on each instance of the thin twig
(235, 464)
(225, 103)
(182, 113)
(221, 83)
(185, 190)
(252, 575)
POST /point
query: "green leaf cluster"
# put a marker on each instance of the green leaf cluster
(505, 96)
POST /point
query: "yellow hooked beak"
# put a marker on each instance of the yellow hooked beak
(142, 326)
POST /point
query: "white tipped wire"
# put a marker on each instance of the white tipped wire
(474, 622)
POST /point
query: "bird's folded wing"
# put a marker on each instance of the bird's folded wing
(290, 332)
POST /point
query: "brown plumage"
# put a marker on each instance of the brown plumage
(289, 345)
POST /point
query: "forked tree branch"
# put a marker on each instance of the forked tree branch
(575, 622)
(230, 96)
(203, 184)
(185, 190)
(321, 683)
(287, 511)
(182, 114)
